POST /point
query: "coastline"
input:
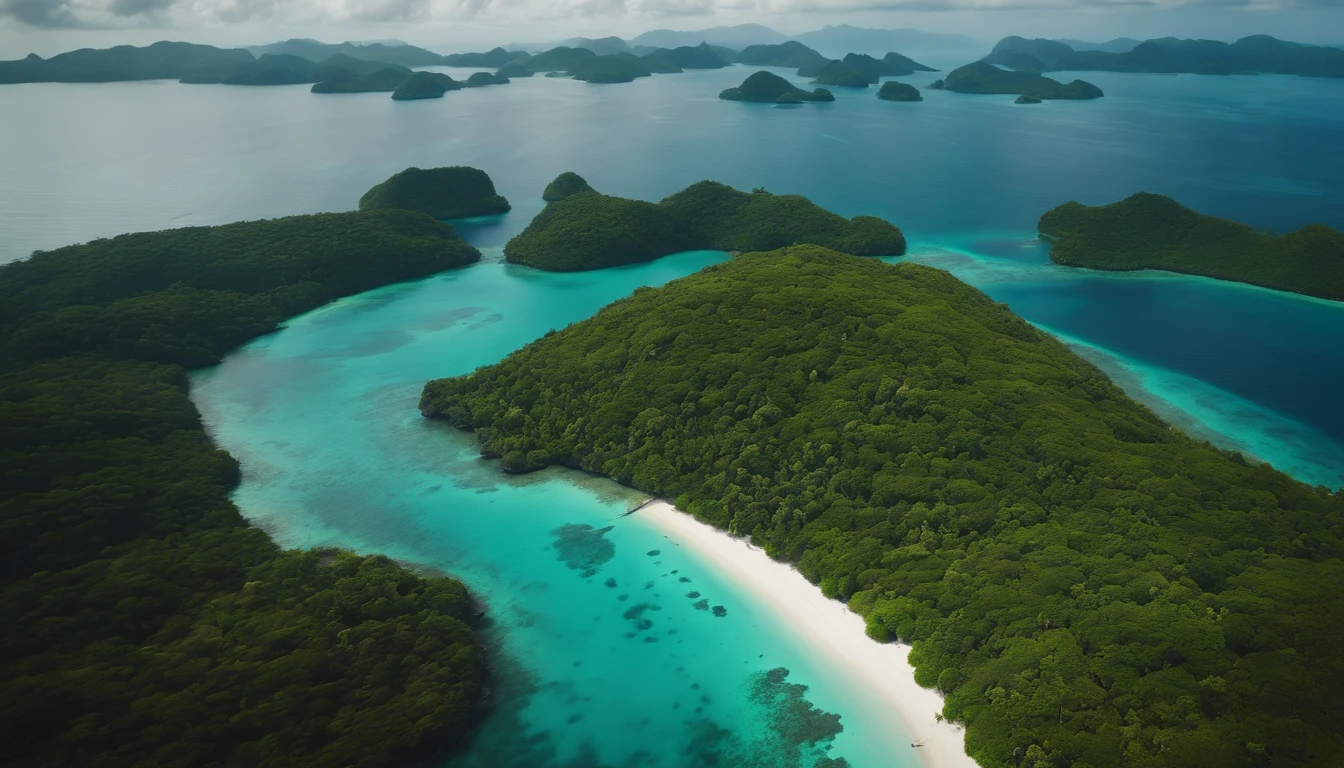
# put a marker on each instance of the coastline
(879, 670)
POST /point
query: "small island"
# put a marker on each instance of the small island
(1170, 55)
(1024, 99)
(381, 81)
(482, 79)
(559, 59)
(894, 91)
(1147, 231)
(701, 56)
(609, 69)
(983, 77)
(769, 88)
(837, 73)
(588, 230)
(513, 70)
(425, 85)
(792, 54)
(445, 193)
(564, 185)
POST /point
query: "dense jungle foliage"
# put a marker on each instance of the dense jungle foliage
(1147, 231)
(457, 192)
(771, 88)
(144, 622)
(981, 77)
(425, 85)
(589, 230)
(564, 185)
(1089, 587)
(609, 69)
(896, 91)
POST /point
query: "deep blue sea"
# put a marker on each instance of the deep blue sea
(604, 660)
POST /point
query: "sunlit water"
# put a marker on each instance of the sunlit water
(323, 415)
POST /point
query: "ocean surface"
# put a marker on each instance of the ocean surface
(606, 658)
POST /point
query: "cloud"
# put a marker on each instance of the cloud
(40, 13)
(126, 8)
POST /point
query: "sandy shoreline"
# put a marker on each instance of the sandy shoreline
(878, 669)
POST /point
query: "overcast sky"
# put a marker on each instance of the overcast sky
(52, 26)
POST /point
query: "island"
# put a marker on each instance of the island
(1170, 55)
(1055, 553)
(609, 69)
(894, 91)
(160, 61)
(425, 85)
(837, 73)
(495, 57)
(771, 88)
(514, 69)
(144, 616)
(792, 54)
(381, 81)
(983, 77)
(313, 50)
(458, 192)
(286, 69)
(891, 65)
(589, 230)
(701, 56)
(1147, 231)
(482, 79)
(564, 185)
(559, 59)
(1026, 100)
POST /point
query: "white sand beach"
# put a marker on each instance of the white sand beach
(877, 669)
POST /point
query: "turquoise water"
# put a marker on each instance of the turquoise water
(323, 416)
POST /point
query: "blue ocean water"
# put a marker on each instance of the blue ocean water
(323, 416)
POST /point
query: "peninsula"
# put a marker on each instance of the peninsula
(1148, 231)
(143, 616)
(589, 230)
(983, 77)
(770, 88)
(444, 193)
(1054, 551)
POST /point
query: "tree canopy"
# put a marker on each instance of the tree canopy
(1147, 231)
(1088, 586)
(457, 192)
(982, 77)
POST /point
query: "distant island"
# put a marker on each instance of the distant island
(838, 74)
(1170, 55)
(1054, 552)
(381, 81)
(609, 69)
(1148, 231)
(444, 193)
(770, 88)
(425, 85)
(1026, 100)
(983, 77)
(585, 229)
(895, 91)
(790, 54)
(144, 616)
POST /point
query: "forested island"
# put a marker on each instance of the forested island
(458, 192)
(769, 88)
(1086, 585)
(983, 77)
(894, 91)
(145, 622)
(584, 229)
(1169, 55)
(1147, 231)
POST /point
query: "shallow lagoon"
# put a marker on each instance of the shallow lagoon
(322, 414)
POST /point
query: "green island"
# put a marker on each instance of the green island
(160, 61)
(145, 622)
(458, 192)
(559, 59)
(1170, 55)
(514, 69)
(313, 50)
(1086, 585)
(381, 81)
(983, 77)
(481, 79)
(495, 57)
(792, 54)
(589, 230)
(564, 185)
(838, 73)
(701, 56)
(1147, 231)
(770, 88)
(1024, 99)
(287, 69)
(894, 91)
(609, 69)
(425, 85)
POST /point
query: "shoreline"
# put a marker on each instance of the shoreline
(879, 670)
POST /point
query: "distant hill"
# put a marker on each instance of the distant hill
(843, 38)
(1118, 45)
(1257, 53)
(739, 36)
(160, 61)
(313, 50)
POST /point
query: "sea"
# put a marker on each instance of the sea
(613, 645)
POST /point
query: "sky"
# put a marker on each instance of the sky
(47, 27)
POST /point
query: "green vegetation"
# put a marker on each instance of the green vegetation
(1087, 586)
(609, 69)
(514, 69)
(1257, 53)
(701, 56)
(792, 54)
(160, 61)
(402, 55)
(589, 230)
(558, 59)
(144, 622)
(425, 85)
(982, 77)
(1026, 100)
(836, 73)
(382, 81)
(894, 91)
(892, 65)
(458, 192)
(897, 61)
(285, 69)
(770, 88)
(564, 185)
(495, 57)
(1155, 232)
(481, 79)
